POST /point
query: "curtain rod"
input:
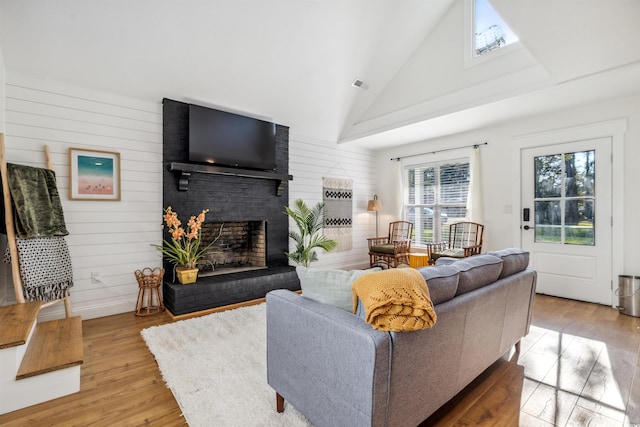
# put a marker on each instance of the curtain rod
(439, 151)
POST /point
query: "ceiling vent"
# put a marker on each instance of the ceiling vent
(359, 84)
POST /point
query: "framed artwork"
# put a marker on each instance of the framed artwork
(94, 174)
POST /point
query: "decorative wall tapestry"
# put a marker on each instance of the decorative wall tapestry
(337, 195)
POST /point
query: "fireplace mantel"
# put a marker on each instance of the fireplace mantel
(187, 168)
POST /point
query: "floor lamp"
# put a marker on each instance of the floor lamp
(375, 206)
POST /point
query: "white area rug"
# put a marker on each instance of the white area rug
(216, 367)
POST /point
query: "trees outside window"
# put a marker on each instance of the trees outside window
(564, 202)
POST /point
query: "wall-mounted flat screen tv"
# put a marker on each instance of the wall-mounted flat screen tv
(228, 139)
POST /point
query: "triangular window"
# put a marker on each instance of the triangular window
(490, 31)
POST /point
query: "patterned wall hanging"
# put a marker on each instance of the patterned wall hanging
(337, 195)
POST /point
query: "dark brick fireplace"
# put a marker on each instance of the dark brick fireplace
(243, 203)
(240, 246)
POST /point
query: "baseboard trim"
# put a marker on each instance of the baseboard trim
(103, 310)
(87, 311)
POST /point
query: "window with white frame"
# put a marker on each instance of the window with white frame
(487, 36)
(436, 197)
(490, 30)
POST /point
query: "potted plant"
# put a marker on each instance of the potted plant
(309, 235)
(184, 251)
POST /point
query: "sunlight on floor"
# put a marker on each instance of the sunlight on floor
(574, 381)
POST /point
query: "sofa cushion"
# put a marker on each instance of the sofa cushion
(515, 260)
(477, 271)
(446, 260)
(331, 287)
(442, 282)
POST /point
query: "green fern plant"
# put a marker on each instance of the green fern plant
(309, 235)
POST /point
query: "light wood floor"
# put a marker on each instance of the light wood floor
(579, 366)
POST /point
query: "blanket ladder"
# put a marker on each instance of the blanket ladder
(11, 231)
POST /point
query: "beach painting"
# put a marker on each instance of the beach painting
(95, 175)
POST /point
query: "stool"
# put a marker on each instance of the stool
(417, 260)
(149, 282)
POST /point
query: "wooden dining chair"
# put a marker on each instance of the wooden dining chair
(465, 240)
(393, 250)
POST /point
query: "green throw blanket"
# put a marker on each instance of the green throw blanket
(44, 261)
(36, 202)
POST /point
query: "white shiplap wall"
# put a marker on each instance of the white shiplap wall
(309, 161)
(114, 238)
(4, 272)
(110, 238)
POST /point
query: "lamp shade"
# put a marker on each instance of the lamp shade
(374, 205)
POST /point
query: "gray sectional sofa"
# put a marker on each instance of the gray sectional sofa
(337, 370)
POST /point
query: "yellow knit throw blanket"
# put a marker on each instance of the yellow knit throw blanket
(395, 300)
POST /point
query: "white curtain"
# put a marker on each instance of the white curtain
(475, 198)
(399, 186)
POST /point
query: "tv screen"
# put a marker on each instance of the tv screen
(229, 139)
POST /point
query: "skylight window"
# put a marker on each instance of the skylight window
(490, 31)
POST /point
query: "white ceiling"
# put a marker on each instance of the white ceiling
(293, 61)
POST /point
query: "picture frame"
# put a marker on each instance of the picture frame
(94, 175)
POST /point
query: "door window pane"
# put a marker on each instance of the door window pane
(565, 198)
(579, 174)
(548, 220)
(548, 176)
(579, 222)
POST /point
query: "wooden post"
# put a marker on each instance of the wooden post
(11, 233)
(47, 157)
(67, 299)
(279, 403)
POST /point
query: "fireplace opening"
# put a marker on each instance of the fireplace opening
(241, 247)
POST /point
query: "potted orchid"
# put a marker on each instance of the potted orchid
(184, 251)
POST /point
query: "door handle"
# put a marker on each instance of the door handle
(526, 227)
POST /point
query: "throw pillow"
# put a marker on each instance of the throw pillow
(331, 287)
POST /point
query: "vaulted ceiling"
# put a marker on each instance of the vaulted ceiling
(293, 61)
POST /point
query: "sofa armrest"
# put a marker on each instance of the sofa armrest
(326, 362)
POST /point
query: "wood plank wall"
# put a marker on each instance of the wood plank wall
(309, 161)
(108, 237)
(5, 271)
(113, 238)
